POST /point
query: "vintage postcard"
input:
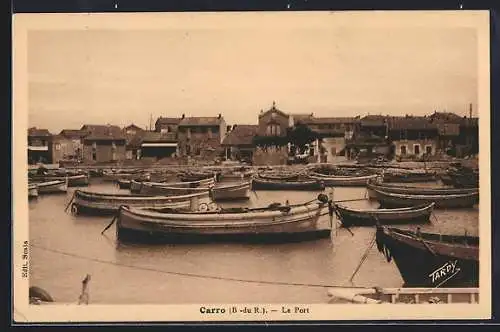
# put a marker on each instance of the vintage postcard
(253, 166)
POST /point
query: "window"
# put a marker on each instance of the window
(273, 130)
(94, 156)
(113, 145)
(94, 145)
(416, 149)
(403, 150)
(113, 156)
(428, 149)
(58, 146)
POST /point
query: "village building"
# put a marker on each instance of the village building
(413, 136)
(333, 133)
(103, 143)
(238, 142)
(369, 139)
(274, 122)
(167, 125)
(157, 145)
(68, 145)
(39, 146)
(201, 136)
(132, 129)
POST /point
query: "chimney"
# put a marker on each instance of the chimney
(183, 116)
(228, 128)
(219, 116)
(234, 126)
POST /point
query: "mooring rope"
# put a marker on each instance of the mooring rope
(195, 275)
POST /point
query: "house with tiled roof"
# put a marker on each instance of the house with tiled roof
(413, 136)
(103, 143)
(39, 146)
(238, 142)
(201, 136)
(167, 124)
(68, 145)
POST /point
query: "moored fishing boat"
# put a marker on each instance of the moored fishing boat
(280, 223)
(218, 192)
(378, 295)
(149, 187)
(412, 190)
(263, 184)
(410, 177)
(124, 184)
(52, 187)
(466, 200)
(77, 180)
(84, 202)
(370, 217)
(281, 176)
(431, 260)
(32, 191)
(341, 180)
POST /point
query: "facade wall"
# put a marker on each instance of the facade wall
(270, 122)
(64, 148)
(103, 151)
(35, 156)
(201, 141)
(415, 148)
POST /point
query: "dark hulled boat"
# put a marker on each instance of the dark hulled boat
(370, 217)
(413, 190)
(309, 185)
(454, 201)
(431, 260)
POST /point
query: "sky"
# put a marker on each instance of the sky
(124, 76)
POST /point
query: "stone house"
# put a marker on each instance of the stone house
(238, 142)
(39, 146)
(103, 143)
(413, 136)
(201, 136)
(68, 145)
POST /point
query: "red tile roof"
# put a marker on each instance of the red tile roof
(201, 121)
(103, 132)
(34, 131)
(240, 135)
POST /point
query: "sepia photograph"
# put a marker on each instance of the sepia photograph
(251, 166)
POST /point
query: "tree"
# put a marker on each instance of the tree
(300, 136)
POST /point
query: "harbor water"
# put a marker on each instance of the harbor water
(65, 248)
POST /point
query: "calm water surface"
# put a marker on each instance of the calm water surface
(65, 248)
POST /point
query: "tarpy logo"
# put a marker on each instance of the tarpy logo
(447, 271)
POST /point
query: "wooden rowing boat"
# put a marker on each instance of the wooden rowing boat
(377, 295)
(218, 192)
(272, 224)
(78, 180)
(466, 200)
(370, 217)
(52, 187)
(409, 177)
(279, 176)
(84, 202)
(431, 260)
(309, 185)
(136, 186)
(341, 180)
(412, 190)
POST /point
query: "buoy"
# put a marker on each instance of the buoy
(74, 209)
